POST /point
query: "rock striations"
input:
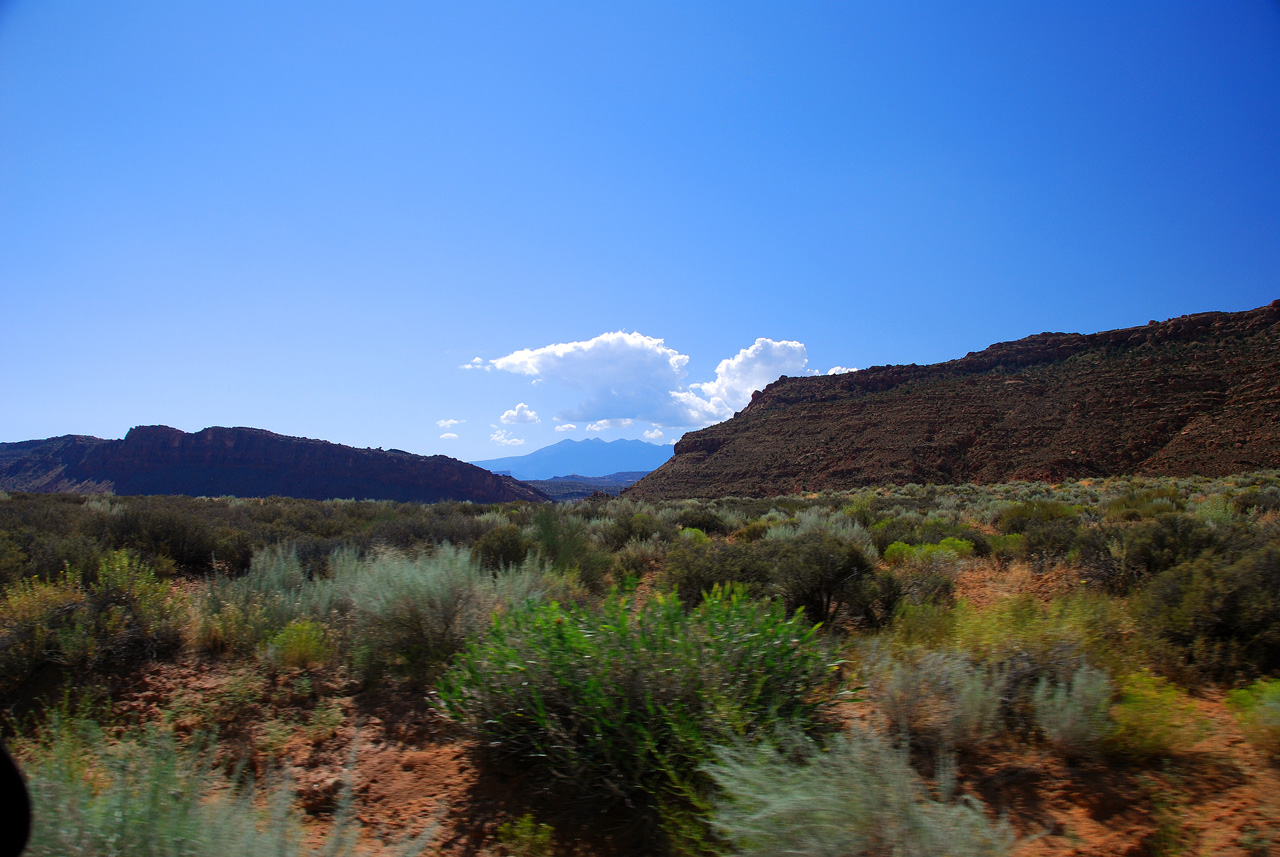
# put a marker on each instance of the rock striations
(1199, 394)
(245, 462)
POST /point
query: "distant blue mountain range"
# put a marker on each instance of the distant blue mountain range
(590, 457)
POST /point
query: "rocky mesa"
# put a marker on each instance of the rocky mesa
(245, 462)
(1198, 394)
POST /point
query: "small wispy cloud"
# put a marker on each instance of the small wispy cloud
(448, 436)
(566, 427)
(521, 413)
(504, 438)
(476, 363)
(444, 424)
(602, 425)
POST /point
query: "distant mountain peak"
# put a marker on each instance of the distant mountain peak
(591, 456)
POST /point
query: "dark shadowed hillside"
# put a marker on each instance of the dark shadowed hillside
(1199, 394)
(245, 462)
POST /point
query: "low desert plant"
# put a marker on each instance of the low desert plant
(1074, 716)
(1153, 718)
(943, 698)
(123, 612)
(1257, 709)
(146, 794)
(412, 615)
(525, 837)
(858, 797)
(383, 612)
(301, 644)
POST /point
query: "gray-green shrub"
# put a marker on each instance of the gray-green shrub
(148, 796)
(858, 797)
(1074, 716)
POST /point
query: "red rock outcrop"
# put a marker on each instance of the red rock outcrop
(246, 462)
(1199, 394)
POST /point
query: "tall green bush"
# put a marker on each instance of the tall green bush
(1218, 618)
(121, 614)
(626, 701)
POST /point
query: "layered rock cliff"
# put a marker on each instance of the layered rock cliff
(1199, 394)
(245, 462)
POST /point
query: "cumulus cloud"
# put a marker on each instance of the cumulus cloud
(622, 375)
(841, 370)
(444, 424)
(654, 434)
(521, 413)
(476, 363)
(503, 437)
(448, 436)
(630, 376)
(739, 376)
(566, 427)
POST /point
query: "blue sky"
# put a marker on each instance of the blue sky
(308, 216)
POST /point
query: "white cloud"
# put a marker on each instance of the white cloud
(601, 425)
(739, 376)
(519, 414)
(448, 436)
(444, 424)
(654, 434)
(475, 363)
(841, 370)
(501, 436)
(630, 376)
(566, 427)
(623, 375)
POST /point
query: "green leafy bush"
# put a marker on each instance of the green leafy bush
(1153, 718)
(301, 644)
(822, 574)
(1022, 517)
(948, 550)
(565, 542)
(1257, 708)
(1136, 504)
(626, 701)
(503, 546)
(858, 797)
(1218, 619)
(1255, 500)
(1119, 557)
(123, 613)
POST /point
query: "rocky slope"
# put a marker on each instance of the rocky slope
(1199, 394)
(245, 462)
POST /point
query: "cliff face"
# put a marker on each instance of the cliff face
(1198, 394)
(245, 462)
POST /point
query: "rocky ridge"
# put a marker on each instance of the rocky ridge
(245, 462)
(1198, 394)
